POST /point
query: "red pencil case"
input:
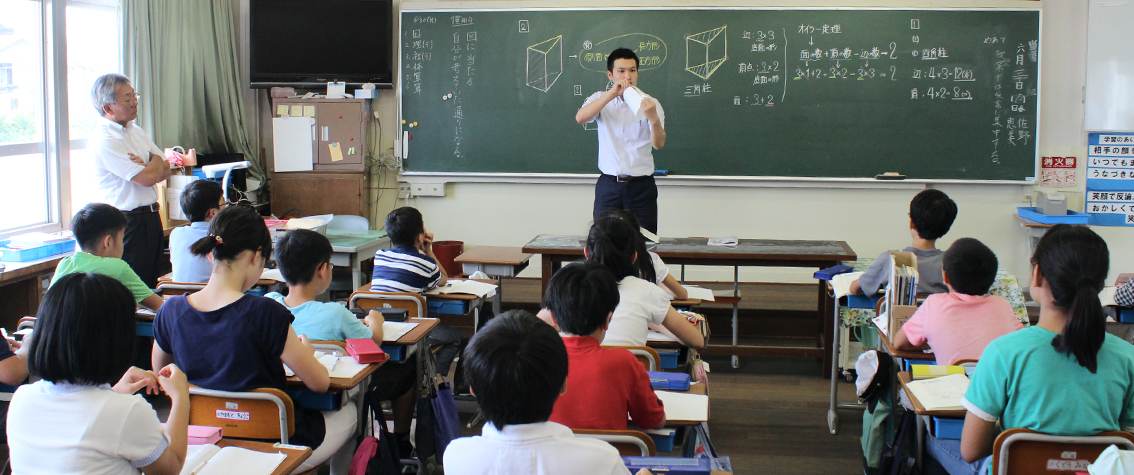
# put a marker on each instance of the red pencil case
(365, 350)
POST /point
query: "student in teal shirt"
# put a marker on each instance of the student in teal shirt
(99, 229)
(1064, 376)
(304, 258)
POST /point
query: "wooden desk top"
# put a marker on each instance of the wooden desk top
(295, 456)
(905, 378)
(14, 271)
(509, 256)
(685, 302)
(168, 279)
(424, 326)
(341, 384)
(903, 354)
(699, 248)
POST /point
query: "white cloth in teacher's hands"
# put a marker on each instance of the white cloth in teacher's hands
(633, 97)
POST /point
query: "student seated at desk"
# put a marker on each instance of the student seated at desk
(517, 366)
(931, 215)
(410, 266)
(200, 201)
(99, 229)
(603, 384)
(958, 325)
(1064, 376)
(655, 269)
(304, 258)
(612, 242)
(1124, 294)
(13, 363)
(229, 341)
(72, 420)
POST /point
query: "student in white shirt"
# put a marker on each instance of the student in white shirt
(200, 201)
(517, 367)
(626, 142)
(73, 421)
(127, 167)
(655, 269)
(612, 242)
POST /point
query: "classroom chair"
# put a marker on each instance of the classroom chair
(270, 413)
(628, 442)
(648, 356)
(1023, 451)
(166, 288)
(365, 299)
(349, 222)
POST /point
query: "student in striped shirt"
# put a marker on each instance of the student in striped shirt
(410, 266)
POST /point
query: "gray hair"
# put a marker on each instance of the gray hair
(102, 93)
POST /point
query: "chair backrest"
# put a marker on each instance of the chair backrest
(178, 288)
(349, 221)
(327, 346)
(628, 442)
(367, 300)
(1023, 451)
(25, 322)
(648, 356)
(264, 413)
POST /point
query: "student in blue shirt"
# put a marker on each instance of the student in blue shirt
(200, 201)
(304, 257)
(1064, 376)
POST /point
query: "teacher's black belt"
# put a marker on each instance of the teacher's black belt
(628, 178)
(150, 208)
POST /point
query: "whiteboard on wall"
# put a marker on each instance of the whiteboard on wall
(1110, 66)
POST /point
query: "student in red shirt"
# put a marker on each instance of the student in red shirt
(603, 384)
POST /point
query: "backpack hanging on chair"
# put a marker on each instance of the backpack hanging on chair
(377, 454)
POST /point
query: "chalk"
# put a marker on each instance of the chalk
(890, 176)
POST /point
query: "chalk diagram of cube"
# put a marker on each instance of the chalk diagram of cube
(706, 51)
(545, 63)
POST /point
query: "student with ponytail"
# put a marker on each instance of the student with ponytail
(652, 269)
(613, 242)
(229, 341)
(1063, 376)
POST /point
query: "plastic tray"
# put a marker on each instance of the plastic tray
(947, 428)
(664, 443)
(394, 352)
(24, 255)
(1073, 217)
(449, 307)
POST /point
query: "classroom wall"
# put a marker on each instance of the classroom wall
(871, 220)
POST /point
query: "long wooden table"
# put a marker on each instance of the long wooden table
(557, 249)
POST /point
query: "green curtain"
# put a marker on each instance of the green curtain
(181, 56)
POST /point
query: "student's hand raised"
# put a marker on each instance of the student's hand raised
(173, 381)
(135, 379)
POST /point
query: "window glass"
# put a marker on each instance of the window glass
(93, 49)
(23, 167)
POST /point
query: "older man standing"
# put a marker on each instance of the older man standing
(127, 166)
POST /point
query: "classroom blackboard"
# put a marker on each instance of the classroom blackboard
(932, 94)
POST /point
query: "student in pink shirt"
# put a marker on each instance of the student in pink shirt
(959, 324)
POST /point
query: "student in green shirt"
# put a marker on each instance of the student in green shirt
(99, 229)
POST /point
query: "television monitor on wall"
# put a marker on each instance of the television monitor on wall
(308, 43)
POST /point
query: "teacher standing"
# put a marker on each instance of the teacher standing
(626, 143)
(128, 165)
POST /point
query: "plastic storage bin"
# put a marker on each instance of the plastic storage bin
(1073, 217)
(449, 307)
(31, 254)
(947, 428)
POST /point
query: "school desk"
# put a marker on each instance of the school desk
(557, 249)
(497, 262)
(20, 287)
(923, 415)
(296, 454)
(351, 247)
(412, 340)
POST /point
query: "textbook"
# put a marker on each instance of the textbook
(472, 287)
(929, 371)
(940, 394)
(841, 283)
(212, 460)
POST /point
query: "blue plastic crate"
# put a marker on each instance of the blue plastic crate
(328, 401)
(669, 359)
(449, 307)
(1124, 315)
(24, 255)
(906, 363)
(947, 428)
(144, 329)
(1073, 217)
(394, 352)
(664, 443)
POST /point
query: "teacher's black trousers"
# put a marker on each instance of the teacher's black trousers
(639, 195)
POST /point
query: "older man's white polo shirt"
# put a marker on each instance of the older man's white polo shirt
(624, 141)
(543, 448)
(111, 144)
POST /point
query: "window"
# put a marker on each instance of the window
(23, 164)
(91, 52)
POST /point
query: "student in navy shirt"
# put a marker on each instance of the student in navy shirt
(226, 340)
(410, 266)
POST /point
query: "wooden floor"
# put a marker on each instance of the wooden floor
(770, 414)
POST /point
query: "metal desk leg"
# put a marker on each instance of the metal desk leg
(735, 312)
(832, 410)
(355, 271)
(922, 422)
(498, 299)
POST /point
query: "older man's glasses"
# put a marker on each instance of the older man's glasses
(131, 98)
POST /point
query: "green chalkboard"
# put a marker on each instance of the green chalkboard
(932, 94)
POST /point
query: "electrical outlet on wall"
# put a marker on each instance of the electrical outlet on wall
(428, 189)
(405, 190)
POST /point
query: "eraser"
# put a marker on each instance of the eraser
(890, 176)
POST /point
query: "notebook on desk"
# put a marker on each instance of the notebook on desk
(212, 460)
(684, 406)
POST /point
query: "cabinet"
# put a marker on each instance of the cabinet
(337, 121)
(315, 193)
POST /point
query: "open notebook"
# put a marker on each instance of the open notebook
(212, 460)
(940, 394)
